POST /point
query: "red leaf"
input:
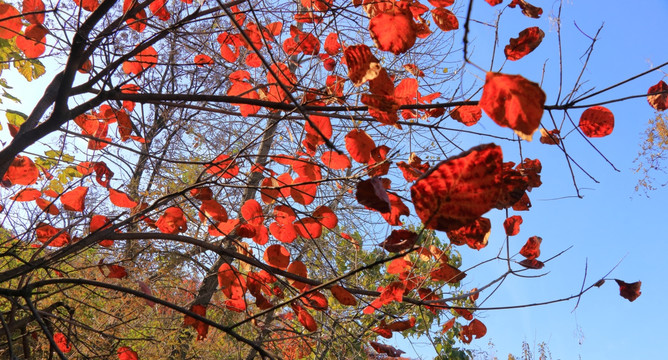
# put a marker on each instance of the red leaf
(277, 256)
(201, 328)
(252, 212)
(475, 235)
(22, 171)
(73, 200)
(303, 190)
(526, 42)
(343, 296)
(550, 137)
(285, 233)
(37, 8)
(445, 19)
(393, 30)
(201, 60)
(298, 268)
(447, 273)
(359, 145)
(305, 318)
(597, 121)
(172, 221)
(332, 45)
(494, 2)
(658, 101)
(47, 206)
(475, 329)
(231, 282)
(372, 193)
(102, 173)
(28, 194)
(532, 264)
(628, 291)
(326, 217)
(531, 249)
(120, 199)
(125, 353)
(335, 161)
(116, 272)
(457, 191)
(527, 9)
(393, 292)
(308, 228)
(62, 342)
(513, 101)
(441, 3)
(203, 193)
(223, 166)
(100, 222)
(45, 232)
(398, 266)
(467, 114)
(386, 349)
(512, 225)
(448, 325)
(362, 65)
(399, 240)
(11, 24)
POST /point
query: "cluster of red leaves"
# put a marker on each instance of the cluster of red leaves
(531, 251)
(202, 328)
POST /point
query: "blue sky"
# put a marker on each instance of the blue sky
(612, 223)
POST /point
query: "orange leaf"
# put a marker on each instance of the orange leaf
(332, 45)
(513, 101)
(261, 235)
(325, 217)
(628, 291)
(116, 272)
(121, 199)
(445, 19)
(28, 194)
(393, 30)
(475, 235)
(658, 101)
(22, 171)
(277, 256)
(11, 24)
(100, 222)
(447, 273)
(343, 296)
(298, 268)
(457, 191)
(37, 8)
(531, 249)
(305, 318)
(550, 137)
(386, 349)
(47, 206)
(393, 292)
(526, 42)
(125, 353)
(475, 329)
(47, 233)
(359, 145)
(397, 208)
(335, 161)
(399, 265)
(172, 221)
(467, 114)
(362, 65)
(448, 325)
(252, 212)
(512, 225)
(73, 200)
(201, 328)
(231, 282)
(223, 166)
(308, 228)
(62, 342)
(597, 121)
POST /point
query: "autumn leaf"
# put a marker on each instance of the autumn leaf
(532, 264)
(526, 42)
(277, 256)
(362, 65)
(61, 341)
(359, 145)
(126, 353)
(372, 194)
(512, 225)
(447, 273)
(27, 194)
(467, 114)
(343, 296)
(223, 166)
(386, 349)
(658, 101)
(531, 249)
(73, 200)
(11, 24)
(22, 171)
(597, 121)
(527, 9)
(201, 327)
(514, 102)
(550, 137)
(629, 291)
(46, 233)
(399, 240)
(393, 30)
(475, 235)
(121, 199)
(335, 161)
(475, 329)
(100, 222)
(457, 191)
(172, 221)
(445, 19)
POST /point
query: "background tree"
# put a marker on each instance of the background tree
(208, 165)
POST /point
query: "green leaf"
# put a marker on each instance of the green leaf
(30, 69)
(10, 96)
(4, 84)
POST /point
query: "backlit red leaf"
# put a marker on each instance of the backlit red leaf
(36, 7)
(121, 199)
(277, 256)
(326, 217)
(172, 221)
(332, 45)
(597, 121)
(550, 137)
(252, 212)
(303, 190)
(61, 341)
(512, 225)
(22, 171)
(201, 328)
(447, 273)
(100, 222)
(125, 353)
(467, 114)
(116, 272)
(393, 30)
(28, 194)
(457, 191)
(526, 42)
(527, 9)
(513, 101)
(362, 65)
(47, 233)
(73, 200)
(386, 349)
(47, 206)
(476, 329)
(308, 228)
(398, 266)
(359, 145)
(628, 291)
(475, 235)
(211, 210)
(531, 249)
(10, 23)
(658, 101)
(445, 19)
(298, 268)
(343, 296)
(335, 161)
(201, 60)
(223, 166)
